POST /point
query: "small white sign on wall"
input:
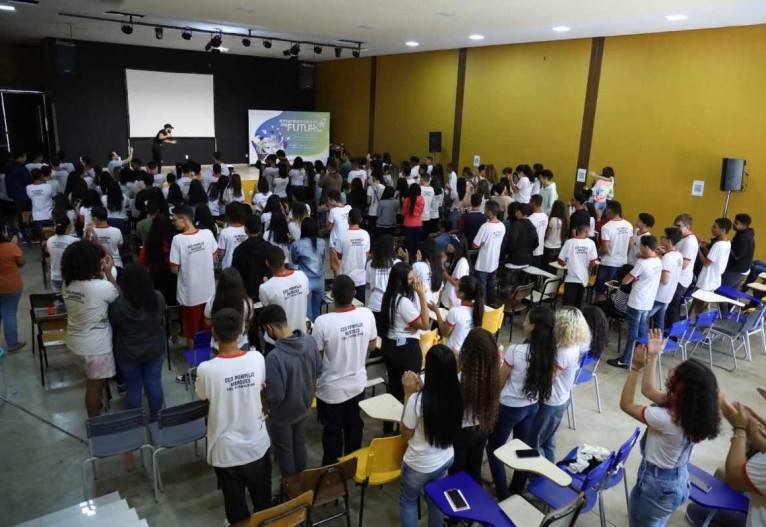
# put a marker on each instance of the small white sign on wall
(698, 187)
(476, 160)
(582, 174)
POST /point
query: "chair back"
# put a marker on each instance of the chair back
(182, 424)
(203, 340)
(117, 433)
(587, 362)
(427, 340)
(492, 320)
(51, 331)
(679, 329)
(594, 479)
(287, 514)
(550, 288)
(328, 483)
(625, 449)
(753, 320)
(521, 293)
(36, 301)
(706, 319)
(385, 455)
(567, 515)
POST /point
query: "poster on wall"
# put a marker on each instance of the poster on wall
(304, 134)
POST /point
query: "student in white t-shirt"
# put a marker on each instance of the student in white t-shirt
(428, 269)
(230, 292)
(262, 196)
(615, 238)
(184, 182)
(374, 195)
(522, 188)
(404, 312)
(457, 266)
(683, 414)
(353, 250)
(343, 338)
(489, 241)
(378, 268)
(526, 376)
(540, 221)
(238, 443)
(337, 217)
(645, 277)
(56, 245)
(431, 418)
(232, 235)
(117, 207)
(287, 288)
(89, 287)
(572, 335)
(643, 224)
(109, 237)
(714, 259)
(428, 194)
(41, 195)
(672, 266)
(689, 248)
(356, 172)
(192, 258)
(461, 319)
(578, 254)
(555, 235)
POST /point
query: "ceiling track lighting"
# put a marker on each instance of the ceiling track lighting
(214, 45)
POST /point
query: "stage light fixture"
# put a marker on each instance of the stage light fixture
(267, 44)
(246, 40)
(338, 51)
(295, 49)
(127, 28)
(317, 49)
(356, 53)
(214, 44)
(186, 34)
(286, 53)
(159, 33)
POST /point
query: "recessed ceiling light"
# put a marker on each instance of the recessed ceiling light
(7, 8)
(561, 29)
(676, 18)
(476, 37)
(412, 43)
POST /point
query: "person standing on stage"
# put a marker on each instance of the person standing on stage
(162, 137)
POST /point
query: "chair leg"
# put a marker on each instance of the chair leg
(572, 406)
(569, 415)
(348, 509)
(601, 510)
(659, 370)
(598, 393)
(156, 473)
(361, 502)
(85, 478)
(625, 482)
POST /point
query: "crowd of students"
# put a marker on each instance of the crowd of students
(204, 246)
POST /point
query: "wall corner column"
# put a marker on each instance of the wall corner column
(591, 100)
(459, 96)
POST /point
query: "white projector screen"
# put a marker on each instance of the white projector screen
(184, 100)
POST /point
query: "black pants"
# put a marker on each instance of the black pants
(673, 313)
(255, 477)
(549, 255)
(382, 231)
(573, 294)
(399, 359)
(360, 289)
(469, 452)
(342, 428)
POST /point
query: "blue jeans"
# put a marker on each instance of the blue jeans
(316, 292)
(9, 305)
(520, 421)
(489, 281)
(759, 267)
(120, 223)
(657, 314)
(657, 494)
(412, 483)
(638, 326)
(546, 423)
(140, 376)
(603, 275)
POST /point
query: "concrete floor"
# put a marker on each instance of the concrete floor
(40, 466)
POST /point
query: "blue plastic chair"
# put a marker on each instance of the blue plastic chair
(616, 471)
(733, 330)
(202, 352)
(672, 344)
(719, 497)
(585, 373)
(698, 334)
(556, 497)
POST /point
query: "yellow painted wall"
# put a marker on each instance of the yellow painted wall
(524, 104)
(343, 89)
(415, 95)
(670, 107)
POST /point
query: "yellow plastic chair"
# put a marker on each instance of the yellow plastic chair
(293, 512)
(378, 464)
(427, 340)
(492, 320)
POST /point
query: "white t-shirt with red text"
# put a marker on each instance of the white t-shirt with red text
(193, 253)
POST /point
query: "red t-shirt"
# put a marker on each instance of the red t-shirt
(413, 220)
(10, 277)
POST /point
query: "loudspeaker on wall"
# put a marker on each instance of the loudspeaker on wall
(434, 142)
(64, 56)
(732, 171)
(306, 72)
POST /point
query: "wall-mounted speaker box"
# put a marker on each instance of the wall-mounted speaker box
(434, 142)
(306, 73)
(732, 171)
(64, 56)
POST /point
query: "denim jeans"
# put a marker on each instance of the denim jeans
(657, 494)
(638, 326)
(759, 267)
(516, 419)
(469, 448)
(316, 292)
(9, 305)
(488, 279)
(657, 314)
(546, 423)
(603, 275)
(140, 377)
(412, 483)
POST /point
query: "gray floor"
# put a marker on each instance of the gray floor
(40, 465)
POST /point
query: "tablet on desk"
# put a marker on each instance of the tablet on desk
(526, 453)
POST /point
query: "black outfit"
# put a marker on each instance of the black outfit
(255, 477)
(16, 180)
(399, 359)
(740, 258)
(343, 428)
(573, 294)
(579, 217)
(138, 335)
(249, 259)
(471, 222)
(521, 241)
(145, 195)
(469, 447)
(157, 147)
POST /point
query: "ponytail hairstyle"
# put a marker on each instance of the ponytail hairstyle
(61, 222)
(558, 211)
(470, 289)
(412, 194)
(599, 329)
(433, 255)
(236, 185)
(459, 244)
(541, 357)
(114, 197)
(479, 378)
(441, 400)
(398, 286)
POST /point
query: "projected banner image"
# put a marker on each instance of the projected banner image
(304, 134)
